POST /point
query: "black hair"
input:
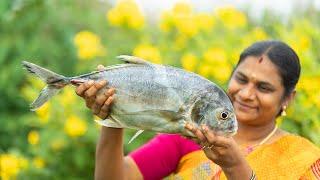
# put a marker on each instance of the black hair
(281, 55)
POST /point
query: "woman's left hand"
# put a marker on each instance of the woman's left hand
(223, 151)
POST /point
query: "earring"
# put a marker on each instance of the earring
(283, 113)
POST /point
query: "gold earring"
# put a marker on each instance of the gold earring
(283, 113)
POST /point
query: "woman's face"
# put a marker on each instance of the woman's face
(256, 91)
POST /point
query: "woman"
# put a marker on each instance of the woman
(261, 87)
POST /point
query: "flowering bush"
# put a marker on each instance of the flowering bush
(58, 140)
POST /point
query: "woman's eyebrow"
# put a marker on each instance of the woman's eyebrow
(241, 74)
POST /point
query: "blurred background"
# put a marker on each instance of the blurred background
(73, 37)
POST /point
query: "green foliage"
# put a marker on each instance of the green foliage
(58, 141)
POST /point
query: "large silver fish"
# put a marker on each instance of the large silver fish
(151, 97)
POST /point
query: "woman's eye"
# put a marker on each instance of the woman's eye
(241, 80)
(264, 89)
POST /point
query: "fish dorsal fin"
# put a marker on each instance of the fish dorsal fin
(135, 135)
(132, 59)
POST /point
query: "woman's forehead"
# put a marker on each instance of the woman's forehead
(259, 69)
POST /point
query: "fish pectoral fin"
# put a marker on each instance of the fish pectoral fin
(132, 59)
(109, 123)
(135, 136)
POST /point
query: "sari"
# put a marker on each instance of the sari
(289, 157)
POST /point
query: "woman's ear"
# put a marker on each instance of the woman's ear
(289, 98)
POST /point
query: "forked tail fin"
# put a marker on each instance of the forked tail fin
(54, 82)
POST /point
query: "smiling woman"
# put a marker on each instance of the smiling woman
(261, 87)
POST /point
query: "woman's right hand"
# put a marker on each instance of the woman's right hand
(98, 103)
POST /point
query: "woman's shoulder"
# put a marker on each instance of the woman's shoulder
(291, 153)
(292, 146)
(296, 141)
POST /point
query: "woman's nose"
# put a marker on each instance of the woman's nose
(247, 92)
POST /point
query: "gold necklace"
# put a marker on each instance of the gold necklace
(249, 149)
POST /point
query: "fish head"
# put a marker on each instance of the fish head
(215, 110)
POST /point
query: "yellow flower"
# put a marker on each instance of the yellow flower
(182, 18)
(308, 85)
(221, 71)
(89, 45)
(204, 21)
(167, 21)
(182, 7)
(10, 165)
(214, 55)
(44, 112)
(317, 99)
(33, 137)
(75, 126)
(259, 34)
(114, 17)
(187, 25)
(220, 67)
(231, 17)
(234, 56)
(126, 13)
(189, 61)
(204, 70)
(148, 52)
(38, 162)
(301, 43)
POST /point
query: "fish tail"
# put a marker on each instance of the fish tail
(55, 82)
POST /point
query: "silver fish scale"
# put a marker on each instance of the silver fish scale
(153, 87)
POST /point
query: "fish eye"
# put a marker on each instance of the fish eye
(224, 115)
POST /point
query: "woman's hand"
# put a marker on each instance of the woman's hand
(223, 151)
(98, 103)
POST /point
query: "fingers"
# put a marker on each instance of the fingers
(196, 131)
(92, 91)
(83, 87)
(213, 139)
(104, 111)
(101, 100)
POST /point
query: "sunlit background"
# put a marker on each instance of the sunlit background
(73, 37)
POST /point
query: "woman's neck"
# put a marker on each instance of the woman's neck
(250, 135)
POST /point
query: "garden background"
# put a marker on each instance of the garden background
(73, 37)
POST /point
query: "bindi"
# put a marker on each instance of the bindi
(260, 59)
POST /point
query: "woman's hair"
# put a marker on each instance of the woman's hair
(280, 54)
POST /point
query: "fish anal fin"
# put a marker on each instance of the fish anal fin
(135, 135)
(132, 59)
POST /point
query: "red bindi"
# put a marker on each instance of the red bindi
(261, 59)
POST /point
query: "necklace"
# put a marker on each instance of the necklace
(249, 149)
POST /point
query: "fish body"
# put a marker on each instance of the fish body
(151, 97)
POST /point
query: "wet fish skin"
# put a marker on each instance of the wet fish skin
(151, 97)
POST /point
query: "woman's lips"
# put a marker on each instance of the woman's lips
(244, 107)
